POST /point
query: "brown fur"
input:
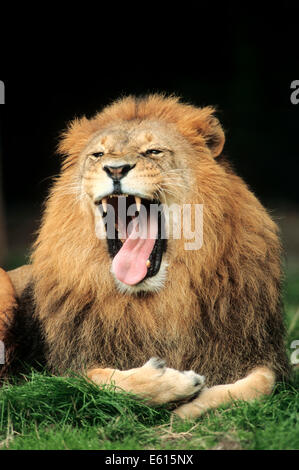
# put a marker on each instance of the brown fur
(220, 310)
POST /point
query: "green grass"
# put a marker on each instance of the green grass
(47, 412)
(70, 413)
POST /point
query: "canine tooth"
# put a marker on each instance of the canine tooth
(138, 203)
(104, 204)
(148, 263)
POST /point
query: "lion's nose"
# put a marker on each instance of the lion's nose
(118, 172)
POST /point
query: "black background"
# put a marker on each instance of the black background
(243, 62)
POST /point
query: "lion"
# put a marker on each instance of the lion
(194, 327)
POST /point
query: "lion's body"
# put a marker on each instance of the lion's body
(219, 311)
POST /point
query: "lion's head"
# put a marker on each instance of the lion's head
(131, 157)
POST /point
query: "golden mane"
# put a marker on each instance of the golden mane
(220, 310)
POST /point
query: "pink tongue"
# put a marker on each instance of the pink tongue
(129, 265)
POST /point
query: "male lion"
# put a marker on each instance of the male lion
(92, 300)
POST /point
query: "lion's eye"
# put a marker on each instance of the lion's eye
(152, 152)
(97, 154)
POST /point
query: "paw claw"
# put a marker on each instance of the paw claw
(197, 379)
(156, 363)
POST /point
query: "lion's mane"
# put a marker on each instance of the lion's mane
(220, 311)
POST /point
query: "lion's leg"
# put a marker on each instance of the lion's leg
(153, 381)
(258, 382)
(7, 303)
(20, 278)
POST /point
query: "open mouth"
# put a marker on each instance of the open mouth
(135, 231)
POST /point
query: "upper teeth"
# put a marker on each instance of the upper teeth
(104, 204)
(137, 201)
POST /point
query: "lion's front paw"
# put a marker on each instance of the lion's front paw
(171, 385)
(154, 381)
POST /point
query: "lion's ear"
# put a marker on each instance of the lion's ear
(215, 137)
(76, 136)
(210, 128)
